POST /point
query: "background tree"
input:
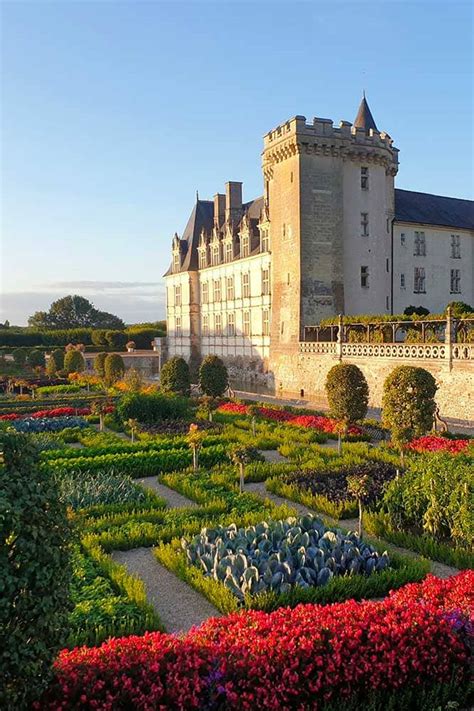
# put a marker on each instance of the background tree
(114, 368)
(347, 392)
(35, 573)
(213, 376)
(408, 405)
(175, 377)
(19, 356)
(74, 312)
(99, 361)
(242, 455)
(74, 362)
(36, 358)
(116, 339)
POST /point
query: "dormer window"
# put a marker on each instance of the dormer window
(215, 255)
(228, 251)
(244, 246)
(176, 262)
(265, 241)
(202, 258)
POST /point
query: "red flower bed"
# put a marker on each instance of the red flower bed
(318, 422)
(55, 412)
(288, 659)
(432, 443)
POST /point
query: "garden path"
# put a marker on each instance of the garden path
(173, 499)
(272, 455)
(178, 605)
(439, 569)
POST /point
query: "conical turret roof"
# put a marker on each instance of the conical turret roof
(364, 118)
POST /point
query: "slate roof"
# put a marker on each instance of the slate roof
(364, 118)
(423, 208)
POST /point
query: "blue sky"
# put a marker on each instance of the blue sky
(114, 113)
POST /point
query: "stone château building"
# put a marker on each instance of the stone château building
(330, 235)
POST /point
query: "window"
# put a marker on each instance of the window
(244, 246)
(231, 324)
(177, 325)
(403, 239)
(218, 324)
(202, 259)
(205, 325)
(364, 178)
(230, 288)
(402, 281)
(419, 281)
(455, 281)
(176, 261)
(266, 322)
(283, 230)
(217, 290)
(387, 265)
(177, 295)
(420, 245)
(246, 323)
(205, 293)
(364, 224)
(265, 281)
(364, 277)
(228, 252)
(455, 247)
(265, 241)
(215, 255)
(245, 285)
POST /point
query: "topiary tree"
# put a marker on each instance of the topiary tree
(74, 362)
(242, 455)
(99, 361)
(194, 438)
(359, 487)
(98, 337)
(175, 377)
(116, 339)
(408, 405)
(133, 380)
(347, 392)
(58, 356)
(35, 573)
(19, 356)
(36, 359)
(51, 368)
(114, 368)
(213, 376)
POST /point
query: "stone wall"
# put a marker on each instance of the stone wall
(307, 372)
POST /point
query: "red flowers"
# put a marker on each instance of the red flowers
(432, 443)
(55, 412)
(290, 658)
(318, 422)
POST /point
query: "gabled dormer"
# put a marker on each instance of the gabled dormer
(215, 246)
(229, 241)
(178, 248)
(264, 228)
(203, 250)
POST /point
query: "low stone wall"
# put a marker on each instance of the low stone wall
(147, 363)
(303, 375)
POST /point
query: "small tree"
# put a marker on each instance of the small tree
(58, 356)
(242, 455)
(359, 487)
(19, 356)
(133, 380)
(209, 404)
(114, 368)
(116, 339)
(213, 376)
(347, 392)
(195, 437)
(74, 362)
(36, 358)
(99, 361)
(175, 377)
(51, 368)
(253, 412)
(408, 405)
(132, 425)
(100, 408)
(35, 573)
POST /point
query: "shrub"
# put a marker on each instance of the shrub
(34, 574)
(347, 393)
(19, 356)
(98, 337)
(74, 362)
(152, 408)
(116, 339)
(213, 377)
(133, 380)
(408, 405)
(175, 377)
(114, 368)
(460, 309)
(36, 358)
(416, 311)
(99, 362)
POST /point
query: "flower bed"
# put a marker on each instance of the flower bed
(47, 424)
(410, 647)
(433, 443)
(319, 422)
(54, 412)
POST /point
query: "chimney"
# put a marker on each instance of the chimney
(233, 199)
(219, 209)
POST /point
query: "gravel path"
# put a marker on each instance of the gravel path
(351, 524)
(75, 445)
(179, 606)
(272, 455)
(172, 498)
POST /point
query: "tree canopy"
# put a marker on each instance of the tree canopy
(74, 312)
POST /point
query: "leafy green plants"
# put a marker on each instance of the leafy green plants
(152, 408)
(80, 491)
